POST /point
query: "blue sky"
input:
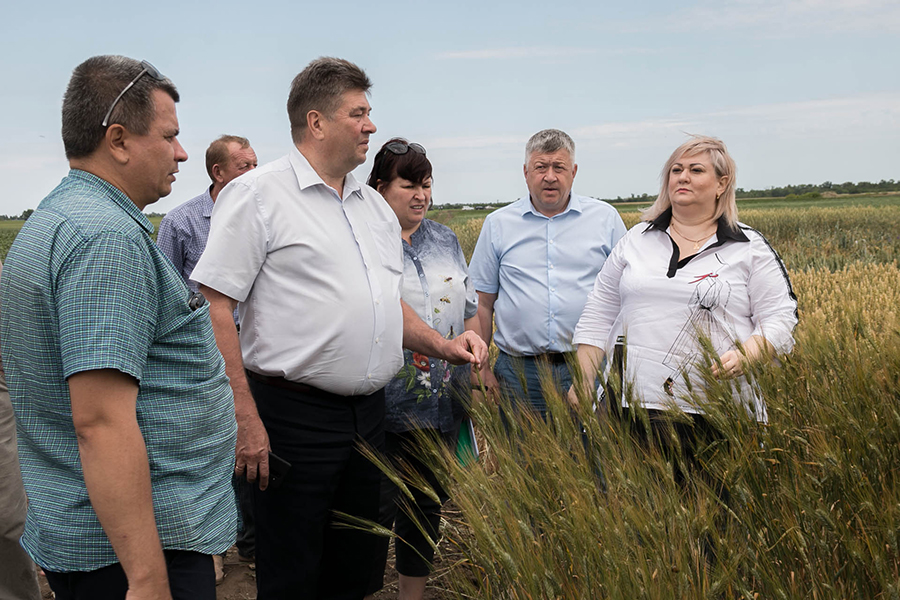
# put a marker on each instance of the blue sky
(802, 91)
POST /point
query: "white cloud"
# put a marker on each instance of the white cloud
(860, 115)
(478, 141)
(632, 128)
(777, 18)
(556, 53)
(541, 52)
(810, 16)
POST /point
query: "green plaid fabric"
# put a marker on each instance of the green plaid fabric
(84, 287)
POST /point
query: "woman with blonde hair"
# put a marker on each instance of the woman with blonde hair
(690, 272)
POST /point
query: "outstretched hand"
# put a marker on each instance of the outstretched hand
(467, 347)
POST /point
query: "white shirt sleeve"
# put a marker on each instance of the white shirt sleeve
(603, 302)
(773, 306)
(238, 243)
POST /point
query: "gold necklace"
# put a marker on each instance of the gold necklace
(696, 242)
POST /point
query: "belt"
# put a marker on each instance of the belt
(554, 358)
(293, 386)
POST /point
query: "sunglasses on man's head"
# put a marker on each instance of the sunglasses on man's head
(149, 70)
(400, 147)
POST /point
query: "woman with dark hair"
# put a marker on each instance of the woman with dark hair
(688, 281)
(427, 392)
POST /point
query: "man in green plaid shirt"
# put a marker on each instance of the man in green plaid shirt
(125, 417)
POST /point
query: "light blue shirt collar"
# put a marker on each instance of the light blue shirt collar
(528, 207)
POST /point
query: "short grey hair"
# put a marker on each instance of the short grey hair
(320, 86)
(94, 85)
(549, 141)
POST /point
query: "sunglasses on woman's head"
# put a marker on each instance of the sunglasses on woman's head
(400, 147)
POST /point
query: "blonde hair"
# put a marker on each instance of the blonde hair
(726, 206)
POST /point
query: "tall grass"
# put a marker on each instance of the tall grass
(807, 506)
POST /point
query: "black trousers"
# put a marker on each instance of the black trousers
(684, 444)
(191, 577)
(412, 550)
(300, 552)
(246, 538)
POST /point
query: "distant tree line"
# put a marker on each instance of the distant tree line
(27, 213)
(809, 190)
(848, 187)
(23, 217)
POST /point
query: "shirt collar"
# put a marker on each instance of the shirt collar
(118, 197)
(724, 231)
(307, 176)
(574, 205)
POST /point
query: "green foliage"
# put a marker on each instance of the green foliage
(830, 238)
(848, 187)
(7, 235)
(812, 508)
(807, 506)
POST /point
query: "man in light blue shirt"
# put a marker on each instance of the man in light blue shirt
(533, 266)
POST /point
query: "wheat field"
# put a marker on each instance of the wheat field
(812, 508)
(807, 506)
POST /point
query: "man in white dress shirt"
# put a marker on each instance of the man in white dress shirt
(315, 261)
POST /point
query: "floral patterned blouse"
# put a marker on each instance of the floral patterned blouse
(425, 393)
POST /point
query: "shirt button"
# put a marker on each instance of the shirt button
(369, 376)
(378, 302)
(377, 340)
(551, 241)
(553, 290)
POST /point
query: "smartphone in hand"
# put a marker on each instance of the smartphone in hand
(278, 469)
